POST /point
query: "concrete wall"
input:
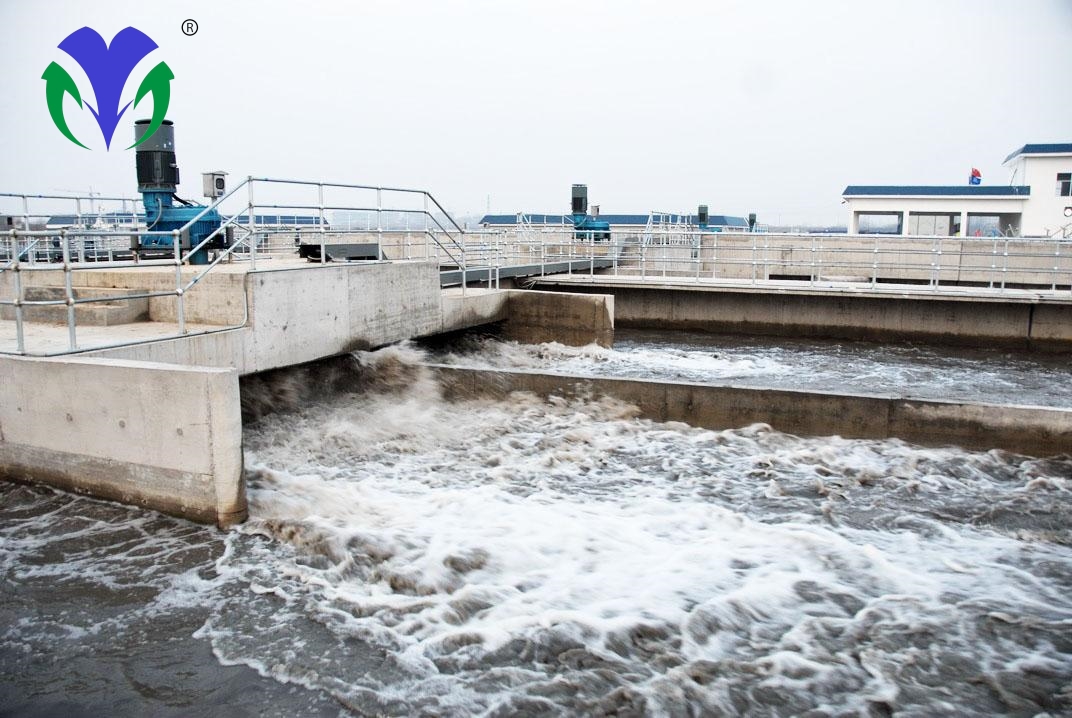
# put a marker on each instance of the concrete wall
(535, 317)
(303, 313)
(218, 299)
(160, 436)
(960, 321)
(1044, 214)
(1033, 431)
(472, 309)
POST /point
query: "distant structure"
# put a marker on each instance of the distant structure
(1037, 202)
(618, 222)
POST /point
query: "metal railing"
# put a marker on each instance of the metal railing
(410, 224)
(893, 263)
(102, 240)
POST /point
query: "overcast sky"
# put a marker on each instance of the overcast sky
(770, 107)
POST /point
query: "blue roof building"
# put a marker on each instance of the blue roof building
(1036, 202)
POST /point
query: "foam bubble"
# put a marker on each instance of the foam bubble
(564, 555)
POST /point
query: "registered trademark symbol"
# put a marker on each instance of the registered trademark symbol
(189, 27)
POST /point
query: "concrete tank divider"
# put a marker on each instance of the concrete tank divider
(534, 317)
(1029, 322)
(161, 436)
(1030, 430)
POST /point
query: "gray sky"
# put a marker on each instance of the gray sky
(770, 106)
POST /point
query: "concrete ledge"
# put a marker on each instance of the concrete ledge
(970, 321)
(533, 317)
(1034, 431)
(474, 308)
(576, 319)
(161, 436)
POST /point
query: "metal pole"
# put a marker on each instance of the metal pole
(592, 259)
(714, 255)
(1005, 265)
(71, 339)
(643, 258)
(753, 258)
(323, 254)
(20, 339)
(820, 258)
(938, 264)
(874, 266)
(993, 264)
(1056, 265)
(766, 256)
(180, 308)
(812, 253)
(543, 255)
(699, 251)
(252, 226)
(26, 224)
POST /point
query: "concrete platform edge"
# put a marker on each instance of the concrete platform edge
(1029, 430)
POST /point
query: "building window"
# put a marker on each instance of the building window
(1064, 184)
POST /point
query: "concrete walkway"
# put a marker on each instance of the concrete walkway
(53, 339)
(822, 288)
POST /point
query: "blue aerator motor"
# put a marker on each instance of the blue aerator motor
(158, 178)
(585, 225)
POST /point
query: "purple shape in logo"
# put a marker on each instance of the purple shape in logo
(108, 68)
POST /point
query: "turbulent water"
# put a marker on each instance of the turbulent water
(923, 372)
(410, 556)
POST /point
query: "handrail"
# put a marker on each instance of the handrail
(15, 259)
(186, 227)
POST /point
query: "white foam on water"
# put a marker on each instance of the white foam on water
(923, 372)
(531, 556)
(412, 556)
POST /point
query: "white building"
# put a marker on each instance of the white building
(1037, 202)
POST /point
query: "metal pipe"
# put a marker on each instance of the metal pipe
(252, 226)
(71, 338)
(180, 308)
(320, 195)
(20, 338)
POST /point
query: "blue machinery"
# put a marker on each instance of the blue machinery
(591, 227)
(158, 177)
(587, 226)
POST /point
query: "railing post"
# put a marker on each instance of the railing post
(1005, 265)
(812, 252)
(643, 258)
(819, 258)
(874, 266)
(1056, 265)
(993, 264)
(699, 254)
(936, 263)
(714, 255)
(251, 224)
(379, 209)
(753, 257)
(592, 259)
(424, 216)
(68, 290)
(180, 308)
(320, 193)
(20, 339)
